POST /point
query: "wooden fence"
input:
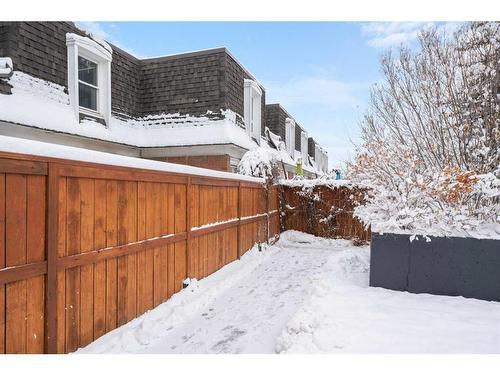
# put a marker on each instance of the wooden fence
(85, 248)
(322, 210)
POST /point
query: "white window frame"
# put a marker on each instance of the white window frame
(290, 136)
(317, 156)
(304, 146)
(92, 51)
(321, 158)
(252, 111)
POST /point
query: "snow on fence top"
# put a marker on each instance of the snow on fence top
(25, 146)
(321, 181)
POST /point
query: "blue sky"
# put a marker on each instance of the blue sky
(320, 72)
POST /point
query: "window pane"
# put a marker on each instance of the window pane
(87, 71)
(87, 96)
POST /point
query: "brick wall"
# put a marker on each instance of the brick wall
(215, 162)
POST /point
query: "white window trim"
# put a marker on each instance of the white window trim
(304, 145)
(290, 136)
(321, 158)
(93, 51)
(252, 111)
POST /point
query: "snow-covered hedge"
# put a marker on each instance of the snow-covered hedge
(431, 139)
(258, 162)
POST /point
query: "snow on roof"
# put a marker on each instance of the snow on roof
(274, 139)
(92, 35)
(25, 146)
(49, 109)
(6, 67)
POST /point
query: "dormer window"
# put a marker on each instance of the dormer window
(252, 109)
(290, 136)
(303, 146)
(89, 77)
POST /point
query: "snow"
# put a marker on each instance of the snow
(6, 66)
(215, 224)
(325, 180)
(50, 109)
(429, 140)
(25, 146)
(305, 294)
(93, 36)
(344, 315)
(259, 161)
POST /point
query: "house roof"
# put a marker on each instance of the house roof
(200, 52)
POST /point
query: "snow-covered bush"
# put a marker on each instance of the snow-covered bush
(259, 162)
(431, 137)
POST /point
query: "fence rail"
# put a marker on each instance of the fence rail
(85, 248)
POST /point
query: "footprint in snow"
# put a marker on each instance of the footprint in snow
(223, 345)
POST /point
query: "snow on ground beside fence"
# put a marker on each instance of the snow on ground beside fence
(344, 315)
(305, 294)
(195, 301)
(25, 146)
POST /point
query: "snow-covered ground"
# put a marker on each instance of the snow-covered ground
(305, 295)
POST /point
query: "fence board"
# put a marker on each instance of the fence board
(61, 275)
(15, 294)
(143, 198)
(73, 237)
(2, 262)
(111, 264)
(154, 256)
(170, 198)
(86, 271)
(131, 230)
(100, 267)
(163, 261)
(35, 252)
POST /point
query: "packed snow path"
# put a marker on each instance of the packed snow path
(305, 295)
(244, 314)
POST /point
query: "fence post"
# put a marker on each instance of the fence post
(268, 189)
(239, 221)
(188, 228)
(52, 228)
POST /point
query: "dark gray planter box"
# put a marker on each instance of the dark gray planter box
(452, 266)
